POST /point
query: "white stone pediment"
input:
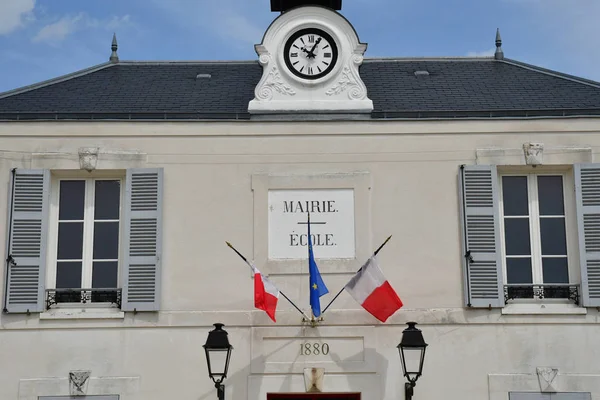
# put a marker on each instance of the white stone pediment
(280, 90)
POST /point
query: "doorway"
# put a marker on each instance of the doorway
(313, 396)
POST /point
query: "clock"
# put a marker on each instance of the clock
(310, 53)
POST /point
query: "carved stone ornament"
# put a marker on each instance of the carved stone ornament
(78, 382)
(547, 378)
(356, 89)
(313, 379)
(340, 90)
(274, 82)
(88, 158)
(534, 153)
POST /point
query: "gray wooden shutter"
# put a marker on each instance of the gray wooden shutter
(27, 240)
(143, 240)
(482, 262)
(587, 190)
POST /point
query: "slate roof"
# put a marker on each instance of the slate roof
(454, 88)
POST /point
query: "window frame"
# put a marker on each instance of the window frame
(570, 215)
(85, 397)
(88, 232)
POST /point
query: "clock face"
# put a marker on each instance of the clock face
(310, 53)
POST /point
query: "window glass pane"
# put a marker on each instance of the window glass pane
(70, 240)
(106, 240)
(107, 200)
(72, 200)
(554, 241)
(68, 275)
(516, 236)
(550, 193)
(104, 274)
(518, 270)
(555, 270)
(514, 195)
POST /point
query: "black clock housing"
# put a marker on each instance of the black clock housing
(333, 53)
(284, 5)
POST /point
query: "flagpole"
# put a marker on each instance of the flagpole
(283, 294)
(312, 314)
(313, 321)
(342, 289)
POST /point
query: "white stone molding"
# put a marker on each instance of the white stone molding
(500, 385)
(273, 82)
(88, 158)
(31, 389)
(534, 153)
(91, 159)
(351, 350)
(368, 385)
(78, 382)
(546, 377)
(313, 379)
(559, 155)
(279, 90)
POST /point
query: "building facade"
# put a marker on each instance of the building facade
(124, 182)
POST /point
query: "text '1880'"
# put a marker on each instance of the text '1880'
(314, 349)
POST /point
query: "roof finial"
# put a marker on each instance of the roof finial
(114, 57)
(499, 55)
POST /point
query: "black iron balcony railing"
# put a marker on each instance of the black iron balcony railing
(83, 296)
(539, 292)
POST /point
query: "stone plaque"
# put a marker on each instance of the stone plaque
(309, 349)
(331, 224)
(289, 350)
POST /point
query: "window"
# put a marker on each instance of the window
(549, 396)
(313, 396)
(534, 235)
(72, 235)
(115, 397)
(530, 233)
(86, 252)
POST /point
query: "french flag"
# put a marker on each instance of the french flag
(372, 291)
(266, 294)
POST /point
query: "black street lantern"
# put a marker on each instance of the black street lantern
(412, 355)
(218, 353)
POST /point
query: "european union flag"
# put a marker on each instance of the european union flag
(317, 286)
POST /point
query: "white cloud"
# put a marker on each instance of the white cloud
(486, 53)
(117, 22)
(14, 14)
(56, 32)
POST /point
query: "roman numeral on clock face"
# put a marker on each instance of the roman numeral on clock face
(311, 38)
(294, 54)
(310, 71)
(327, 55)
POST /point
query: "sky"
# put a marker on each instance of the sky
(43, 39)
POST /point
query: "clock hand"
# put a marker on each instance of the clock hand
(311, 52)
